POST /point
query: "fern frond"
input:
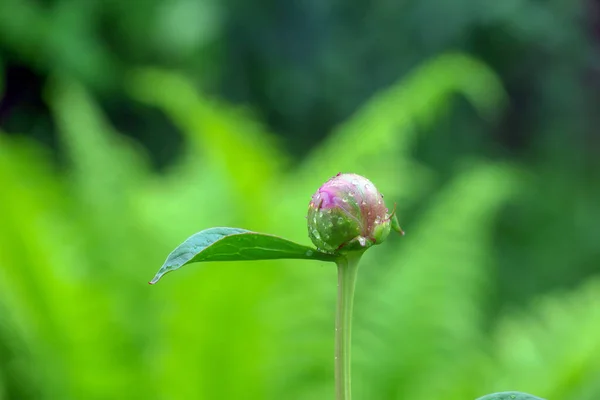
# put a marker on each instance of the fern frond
(424, 311)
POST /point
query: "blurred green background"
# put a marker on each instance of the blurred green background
(127, 126)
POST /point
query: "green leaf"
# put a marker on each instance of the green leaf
(510, 396)
(235, 244)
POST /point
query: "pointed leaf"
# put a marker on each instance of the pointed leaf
(509, 396)
(235, 244)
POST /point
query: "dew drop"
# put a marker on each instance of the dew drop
(379, 202)
(362, 241)
(367, 186)
(309, 253)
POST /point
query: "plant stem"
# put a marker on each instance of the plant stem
(347, 267)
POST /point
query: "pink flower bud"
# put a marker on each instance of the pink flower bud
(347, 213)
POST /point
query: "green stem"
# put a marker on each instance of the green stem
(347, 267)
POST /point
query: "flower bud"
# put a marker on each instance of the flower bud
(347, 213)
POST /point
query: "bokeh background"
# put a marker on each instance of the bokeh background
(126, 126)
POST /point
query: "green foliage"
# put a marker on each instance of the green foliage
(235, 244)
(76, 247)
